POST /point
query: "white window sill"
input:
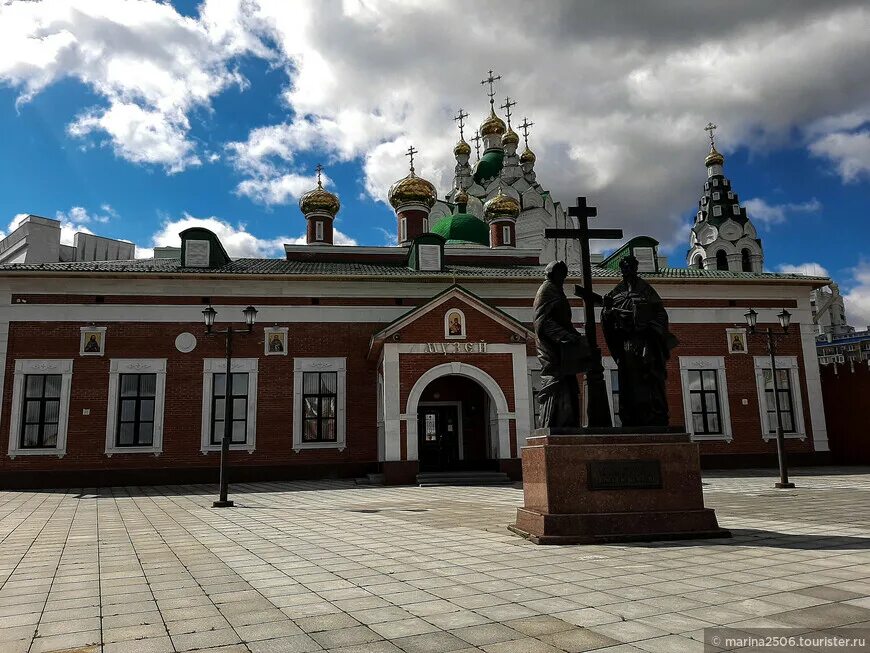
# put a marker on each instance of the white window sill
(711, 437)
(767, 437)
(319, 445)
(156, 451)
(60, 453)
(233, 447)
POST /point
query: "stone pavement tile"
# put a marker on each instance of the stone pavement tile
(320, 623)
(17, 646)
(552, 605)
(718, 615)
(118, 608)
(828, 593)
(587, 617)
(258, 617)
(437, 642)
(487, 634)
(26, 619)
(828, 615)
(538, 625)
(628, 631)
(456, 619)
(675, 623)
(193, 612)
(310, 610)
(506, 612)
(426, 608)
(636, 609)
(127, 633)
(73, 626)
(207, 639)
(577, 640)
(670, 644)
(187, 602)
(863, 602)
(372, 647)
(151, 645)
(403, 628)
(349, 605)
(13, 633)
(65, 642)
(525, 645)
(133, 619)
(292, 644)
(379, 615)
(196, 625)
(22, 608)
(345, 637)
(269, 630)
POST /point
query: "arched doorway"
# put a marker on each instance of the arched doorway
(453, 426)
(721, 260)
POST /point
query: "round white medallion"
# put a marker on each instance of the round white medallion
(185, 342)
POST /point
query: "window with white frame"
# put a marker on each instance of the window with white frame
(319, 398)
(403, 230)
(705, 397)
(425, 225)
(40, 407)
(506, 235)
(716, 195)
(730, 194)
(715, 182)
(318, 230)
(736, 209)
(134, 415)
(788, 389)
(239, 394)
(717, 210)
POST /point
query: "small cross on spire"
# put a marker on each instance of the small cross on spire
(525, 127)
(319, 169)
(507, 109)
(460, 118)
(490, 80)
(476, 141)
(710, 128)
(411, 152)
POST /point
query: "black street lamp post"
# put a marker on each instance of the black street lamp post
(209, 315)
(784, 321)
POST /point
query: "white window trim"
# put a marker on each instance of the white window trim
(318, 230)
(23, 367)
(789, 363)
(707, 363)
(717, 211)
(715, 182)
(506, 235)
(425, 225)
(736, 209)
(118, 366)
(82, 331)
(403, 229)
(302, 365)
(219, 366)
(267, 335)
(716, 196)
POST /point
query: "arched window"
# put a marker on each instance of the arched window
(744, 258)
(721, 260)
(699, 262)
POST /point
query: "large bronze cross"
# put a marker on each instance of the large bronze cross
(597, 403)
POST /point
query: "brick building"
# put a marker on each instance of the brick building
(397, 360)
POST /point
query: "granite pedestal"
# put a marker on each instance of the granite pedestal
(589, 486)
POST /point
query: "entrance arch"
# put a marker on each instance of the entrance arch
(497, 398)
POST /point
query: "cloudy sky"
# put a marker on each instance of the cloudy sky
(137, 118)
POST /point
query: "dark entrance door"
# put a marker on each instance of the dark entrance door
(438, 433)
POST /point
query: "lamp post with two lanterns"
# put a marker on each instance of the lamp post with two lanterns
(209, 315)
(784, 321)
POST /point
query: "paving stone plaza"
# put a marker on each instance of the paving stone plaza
(311, 566)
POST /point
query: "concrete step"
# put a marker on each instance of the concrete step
(430, 479)
(370, 479)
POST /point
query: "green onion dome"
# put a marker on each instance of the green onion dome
(489, 166)
(462, 228)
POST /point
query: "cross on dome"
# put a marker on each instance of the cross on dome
(507, 109)
(476, 140)
(491, 80)
(411, 152)
(525, 127)
(710, 128)
(460, 118)
(319, 168)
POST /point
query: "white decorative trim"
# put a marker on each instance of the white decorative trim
(197, 253)
(707, 363)
(403, 229)
(318, 230)
(282, 332)
(92, 329)
(462, 324)
(789, 363)
(219, 366)
(302, 365)
(118, 366)
(392, 409)
(185, 342)
(23, 367)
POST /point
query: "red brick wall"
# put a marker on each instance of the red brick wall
(311, 230)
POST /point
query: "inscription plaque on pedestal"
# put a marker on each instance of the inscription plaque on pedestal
(624, 474)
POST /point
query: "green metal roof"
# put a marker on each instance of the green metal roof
(489, 166)
(462, 228)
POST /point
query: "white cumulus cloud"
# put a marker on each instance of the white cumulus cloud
(760, 211)
(849, 151)
(857, 298)
(810, 269)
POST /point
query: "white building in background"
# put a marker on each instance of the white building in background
(829, 311)
(37, 240)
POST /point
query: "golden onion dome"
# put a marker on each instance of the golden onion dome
(462, 148)
(412, 190)
(492, 125)
(510, 138)
(461, 197)
(319, 200)
(501, 206)
(714, 157)
(528, 156)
